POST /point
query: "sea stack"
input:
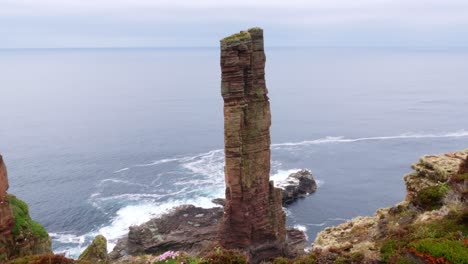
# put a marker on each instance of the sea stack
(253, 218)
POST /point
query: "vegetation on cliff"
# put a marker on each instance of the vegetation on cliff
(430, 226)
(24, 225)
(96, 252)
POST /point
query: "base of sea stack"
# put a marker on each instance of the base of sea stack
(194, 230)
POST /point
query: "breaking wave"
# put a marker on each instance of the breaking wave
(170, 182)
(461, 133)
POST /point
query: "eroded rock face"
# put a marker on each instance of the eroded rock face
(463, 167)
(253, 216)
(6, 214)
(190, 229)
(364, 236)
(187, 228)
(96, 252)
(22, 236)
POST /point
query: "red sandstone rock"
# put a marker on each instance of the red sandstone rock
(6, 215)
(463, 167)
(253, 216)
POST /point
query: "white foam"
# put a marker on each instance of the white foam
(157, 162)
(303, 229)
(120, 181)
(77, 242)
(209, 164)
(300, 228)
(124, 169)
(319, 183)
(461, 133)
(338, 219)
(141, 213)
(279, 178)
(321, 224)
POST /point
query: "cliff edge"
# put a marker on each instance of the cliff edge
(429, 226)
(19, 234)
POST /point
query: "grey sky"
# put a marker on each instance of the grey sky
(201, 23)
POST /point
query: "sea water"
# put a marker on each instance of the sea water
(97, 140)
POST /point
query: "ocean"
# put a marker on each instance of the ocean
(97, 140)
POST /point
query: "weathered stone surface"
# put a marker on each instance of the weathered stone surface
(296, 242)
(464, 166)
(187, 228)
(253, 216)
(190, 229)
(364, 236)
(6, 214)
(96, 252)
(297, 185)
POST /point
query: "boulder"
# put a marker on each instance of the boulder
(187, 228)
(96, 252)
(297, 185)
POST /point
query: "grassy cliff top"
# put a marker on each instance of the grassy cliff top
(245, 34)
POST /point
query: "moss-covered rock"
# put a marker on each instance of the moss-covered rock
(29, 237)
(430, 198)
(96, 252)
(431, 223)
(24, 225)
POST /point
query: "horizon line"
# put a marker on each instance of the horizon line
(426, 47)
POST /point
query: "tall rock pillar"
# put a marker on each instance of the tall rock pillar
(253, 217)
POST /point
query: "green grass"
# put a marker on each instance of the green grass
(450, 230)
(236, 37)
(430, 198)
(454, 251)
(23, 222)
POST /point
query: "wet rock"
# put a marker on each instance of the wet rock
(219, 201)
(297, 185)
(187, 228)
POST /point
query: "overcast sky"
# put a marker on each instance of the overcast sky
(201, 23)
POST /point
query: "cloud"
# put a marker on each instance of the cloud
(162, 22)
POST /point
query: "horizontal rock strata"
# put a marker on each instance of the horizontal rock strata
(253, 216)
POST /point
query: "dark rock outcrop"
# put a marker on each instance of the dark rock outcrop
(19, 235)
(253, 217)
(187, 228)
(297, 185)
(96, 252)
(190, 229)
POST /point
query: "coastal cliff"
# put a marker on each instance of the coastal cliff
(429, 226)
(19, 234)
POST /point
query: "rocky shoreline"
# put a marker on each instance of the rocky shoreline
(193, 229)
(429, 226)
